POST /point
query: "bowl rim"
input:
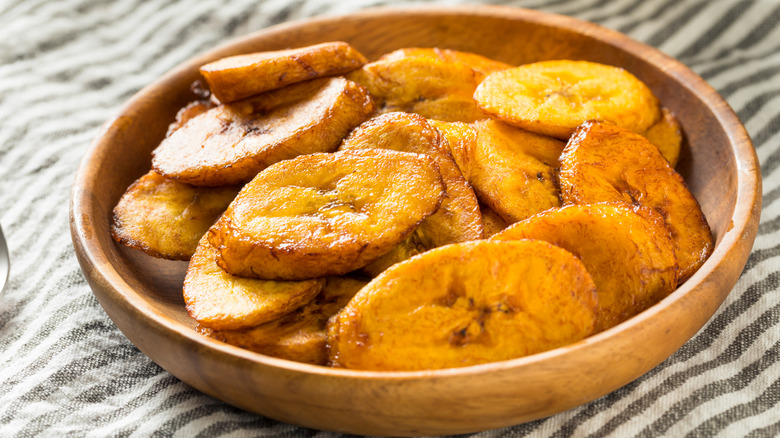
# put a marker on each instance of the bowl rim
(98, 270)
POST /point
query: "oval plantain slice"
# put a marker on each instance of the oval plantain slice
(478, 63)
(458, 219)
(667, 135)
(326, 214)
(465, 304)
(230, 143)
(505, 177)
(299, 335)
(238, 77)
(425, 85)
(606, 163)
(554, 97)
(221, 301)
(631, 259)
(165, 218)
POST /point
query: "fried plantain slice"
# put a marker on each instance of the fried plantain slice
(300, 335)
(607, 163)
(631, 259)
(221, 301)
(667, 135)
(513, 183)
(425, 85)
(465, 304)
(478, 63)
(326, 214)
(238, 77)
(458, 219)
(461, 139)
(230, 143)
(554, 97)
(165, 218)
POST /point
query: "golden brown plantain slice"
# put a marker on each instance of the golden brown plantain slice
(606, 163)
(554, 97)
(300, 335)
(425, 85)
(510, 181)
(461, 139)
(458, 219)
(165, 218)
(229, 144)
(221, 301)
(667, 135)
(476, 62)
(326, 214)
(238, 77)
(631, 259)
(465, 304)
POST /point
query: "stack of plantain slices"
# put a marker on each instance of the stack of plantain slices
(430, 209)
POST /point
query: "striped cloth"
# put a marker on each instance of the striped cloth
(66, 67)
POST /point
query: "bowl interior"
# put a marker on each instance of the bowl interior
(143, 295)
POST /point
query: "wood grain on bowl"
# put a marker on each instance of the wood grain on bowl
(143, 295)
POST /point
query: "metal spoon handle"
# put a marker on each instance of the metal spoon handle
(5, 262)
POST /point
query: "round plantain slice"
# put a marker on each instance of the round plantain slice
(631, 259)
(221, 301)
(465, 304)
(554, 97)
(425, 85)
(607, 163)
(230, 143)
(508, 179)
(300, 335)
(165, 218)
(667, 135)
(326, 214)
(458, 219)
(238, 77)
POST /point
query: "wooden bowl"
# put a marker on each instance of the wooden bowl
(143, 295)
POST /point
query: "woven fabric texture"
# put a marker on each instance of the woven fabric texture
(66, 67)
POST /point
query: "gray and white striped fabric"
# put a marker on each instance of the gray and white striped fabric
(66, 66)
